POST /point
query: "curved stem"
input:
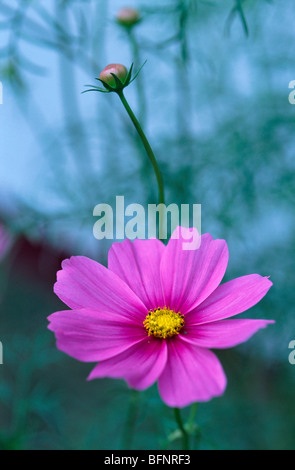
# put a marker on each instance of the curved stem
(185, 436)
(147, 146)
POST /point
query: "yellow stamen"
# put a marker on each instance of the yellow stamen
(163, 323)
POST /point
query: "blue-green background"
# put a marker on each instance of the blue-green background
(213, 98)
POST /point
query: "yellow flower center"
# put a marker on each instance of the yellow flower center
(163, 323)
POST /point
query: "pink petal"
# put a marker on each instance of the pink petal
(92, 336)
(140, 365)
(223, 334)
(138, 265)
(189, 277)
(84, 283)
(230, 299)
(191, 375)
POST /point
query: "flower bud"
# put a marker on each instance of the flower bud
(128, 17)
(117, 69)
(115, 77)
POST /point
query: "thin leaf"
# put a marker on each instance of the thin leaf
(95, 89)
(240, 11)
(138, 72)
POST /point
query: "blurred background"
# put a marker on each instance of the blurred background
(213, 98)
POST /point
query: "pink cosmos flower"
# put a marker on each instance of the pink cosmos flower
(155, 313)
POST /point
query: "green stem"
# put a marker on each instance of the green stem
(185, 436)
(128, 432)
(147, 146)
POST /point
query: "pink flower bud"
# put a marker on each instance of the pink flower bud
(128, 17)
(117, 69)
